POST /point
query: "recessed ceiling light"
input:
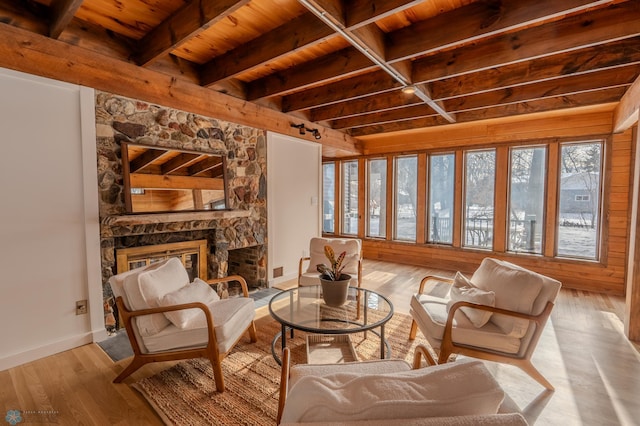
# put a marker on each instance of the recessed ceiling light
(409, 90)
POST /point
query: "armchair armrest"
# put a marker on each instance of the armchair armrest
(428, 278)
(540, 320)
(240, 279)
(128, 315)
(300, 264)
(422, 352)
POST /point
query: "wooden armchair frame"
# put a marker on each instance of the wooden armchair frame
(209, 351)
(448, 346)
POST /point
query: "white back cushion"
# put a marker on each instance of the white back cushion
(352, 246)
(516, 289)
(197, 291)
(145, 289)
(463, 290)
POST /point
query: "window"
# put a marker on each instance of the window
(406, 186)
(526, 199)
(377, 198)
(441, 191)
(350, 197)
(480, 170)
(579, 194)
(328, 197)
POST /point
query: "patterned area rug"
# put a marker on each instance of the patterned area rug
(185, 394)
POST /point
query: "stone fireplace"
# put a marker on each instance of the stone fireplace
(236, 238)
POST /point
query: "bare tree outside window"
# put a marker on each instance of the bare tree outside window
(406, 184)
(579, 194)
(328, 197)
(377, 197)
(526, 199)
(480, 176)
(350, 197)
(441, 192)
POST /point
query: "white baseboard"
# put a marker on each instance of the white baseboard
(288, 277)
(34, 354)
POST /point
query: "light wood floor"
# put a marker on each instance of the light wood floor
(583, 352)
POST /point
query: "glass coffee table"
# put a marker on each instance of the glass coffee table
(302, 308)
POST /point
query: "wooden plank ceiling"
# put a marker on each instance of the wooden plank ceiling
(342, 64)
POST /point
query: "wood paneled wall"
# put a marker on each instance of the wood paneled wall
(607, 275)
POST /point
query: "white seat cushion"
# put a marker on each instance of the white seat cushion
(516, 289)
(231, 317)
(431, 313)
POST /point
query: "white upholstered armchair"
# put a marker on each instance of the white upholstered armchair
(352, 261)
(168, 318)
(498, 314)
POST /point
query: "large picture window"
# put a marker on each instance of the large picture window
(579, 195)
(350, 197)
(480, 176)
(526, 199)
(441, 192)
(406, 188)
(377, 198)
(328, 197)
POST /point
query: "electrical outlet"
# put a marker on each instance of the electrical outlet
(81, 307)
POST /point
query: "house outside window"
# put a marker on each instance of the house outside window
(480, 176)
(441, 191)
(377, 197)
(350, 197)
(526, 199)
(579, 195)
(328, 197)
(406, 188)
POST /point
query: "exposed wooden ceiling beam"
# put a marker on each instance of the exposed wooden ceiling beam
(193, 18)
(563, 86)
(550, 104)
(343, 90)
(62, 12)
(627, 113)
(180, 160)
(343, 63)
(302, 32)
(477, 21)
(43, 56)
(316, 97)
(145, 159)
(594, 58)
(602, 26)
(297, 34)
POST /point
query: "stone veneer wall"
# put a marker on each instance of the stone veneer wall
(121, 119)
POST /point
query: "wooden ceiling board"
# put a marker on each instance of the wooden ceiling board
(247, 23)
(421, 12)
(130, 18)
(299, 57)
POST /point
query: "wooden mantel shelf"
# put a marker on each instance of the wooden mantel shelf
(151, 218)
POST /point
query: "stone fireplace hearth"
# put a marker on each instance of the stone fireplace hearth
(236, 238)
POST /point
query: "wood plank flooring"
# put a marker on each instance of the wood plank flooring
(583, 352)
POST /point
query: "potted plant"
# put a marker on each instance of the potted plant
(335, 284)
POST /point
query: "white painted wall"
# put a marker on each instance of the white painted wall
(294, 190)
(49, 234)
